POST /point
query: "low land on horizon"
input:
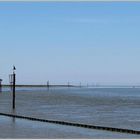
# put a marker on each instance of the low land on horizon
(59, 85)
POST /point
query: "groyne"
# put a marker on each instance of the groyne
(120, 130)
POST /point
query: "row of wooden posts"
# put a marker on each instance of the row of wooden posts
(12, 80)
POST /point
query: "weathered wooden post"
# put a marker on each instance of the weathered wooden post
(68, 84)
(14, 83)
(0, 85)
(12, 79)
(48, 84)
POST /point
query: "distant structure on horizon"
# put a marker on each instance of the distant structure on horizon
(0, 85)
(68, 84)
(48, 84)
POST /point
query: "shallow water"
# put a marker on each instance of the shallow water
(112, 107)
(19, 128)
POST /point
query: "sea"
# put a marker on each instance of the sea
(117, 107)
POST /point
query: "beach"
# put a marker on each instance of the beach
(109, 107)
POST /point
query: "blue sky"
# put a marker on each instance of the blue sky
(94, 42)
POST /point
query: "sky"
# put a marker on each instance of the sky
(87, 42)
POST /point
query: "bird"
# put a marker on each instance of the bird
(14, 68)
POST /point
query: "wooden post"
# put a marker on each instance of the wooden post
(48, 84)
(0, 85)
(14, 81)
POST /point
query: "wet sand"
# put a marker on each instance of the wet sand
(19, 128)
(74, 105)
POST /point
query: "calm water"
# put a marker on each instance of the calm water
(112, 107)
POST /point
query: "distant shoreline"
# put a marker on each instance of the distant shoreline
(41, 86)
(93, 86)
